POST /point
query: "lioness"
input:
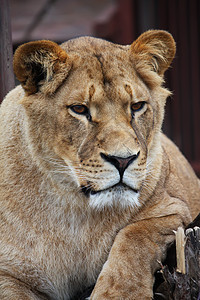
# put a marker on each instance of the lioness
(91, 190)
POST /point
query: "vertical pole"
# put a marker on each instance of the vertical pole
(6, 52)
(180, 250)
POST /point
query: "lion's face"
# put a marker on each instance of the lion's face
(105, 126)
(103, 121)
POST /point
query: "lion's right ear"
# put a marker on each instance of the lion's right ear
(153, 53)
(41, 65)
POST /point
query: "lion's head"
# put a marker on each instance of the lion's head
(95, 112)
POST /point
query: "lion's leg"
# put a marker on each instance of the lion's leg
(13, 289)
(133, 259)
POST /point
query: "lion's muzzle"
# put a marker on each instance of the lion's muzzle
(120, 163)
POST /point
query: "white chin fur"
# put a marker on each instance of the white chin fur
(116, 196)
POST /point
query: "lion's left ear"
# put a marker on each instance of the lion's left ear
(41, 65)
(155, 49)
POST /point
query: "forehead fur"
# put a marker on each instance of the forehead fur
(100, 53)
(90, 45)
(116, 60)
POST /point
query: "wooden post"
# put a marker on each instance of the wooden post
(6, 53)
(180, 250)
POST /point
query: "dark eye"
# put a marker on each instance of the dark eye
(79, 109)
(137, 106)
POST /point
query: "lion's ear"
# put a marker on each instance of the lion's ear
(41, 65)
(155, 49)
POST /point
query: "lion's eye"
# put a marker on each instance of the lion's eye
(137, 106)
(79, 109)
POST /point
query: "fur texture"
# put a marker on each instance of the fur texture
(90, 189)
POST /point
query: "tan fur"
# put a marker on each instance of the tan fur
(57, 235)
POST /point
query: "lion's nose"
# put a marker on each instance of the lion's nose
(120, 163)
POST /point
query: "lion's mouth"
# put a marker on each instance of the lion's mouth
(119, 187)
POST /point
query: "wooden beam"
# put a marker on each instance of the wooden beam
(6, 51)
(180, 250)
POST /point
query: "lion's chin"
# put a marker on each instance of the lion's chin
(119, 195)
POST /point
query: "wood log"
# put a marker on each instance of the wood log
(180, 250)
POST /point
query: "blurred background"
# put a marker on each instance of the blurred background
(121, 21)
